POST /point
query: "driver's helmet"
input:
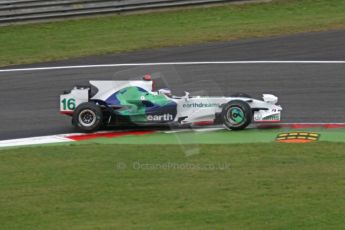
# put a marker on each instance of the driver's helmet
(166, 92)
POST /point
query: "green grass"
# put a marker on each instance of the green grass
(262, 186)
(216, 137)
(75, 38)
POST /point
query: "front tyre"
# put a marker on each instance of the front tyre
(87, 117)
(237, 115)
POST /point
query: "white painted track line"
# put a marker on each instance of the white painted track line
(33, 141)
(170, 63)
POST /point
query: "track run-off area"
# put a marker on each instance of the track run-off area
(299, 132)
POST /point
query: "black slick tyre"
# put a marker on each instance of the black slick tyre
(237, 115)
(88, 117)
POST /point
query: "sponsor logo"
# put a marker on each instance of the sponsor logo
(274, 117)
(163, 117)
(200, 105)
(297, 137)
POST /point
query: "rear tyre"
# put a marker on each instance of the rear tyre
(237, 115)
(87, 117)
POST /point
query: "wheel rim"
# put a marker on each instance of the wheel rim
(87, 118)
(236, 116)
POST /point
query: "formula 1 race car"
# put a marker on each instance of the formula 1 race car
(130, 103)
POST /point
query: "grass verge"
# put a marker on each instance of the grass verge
(253, 186)
(75, 38)
(216, 137)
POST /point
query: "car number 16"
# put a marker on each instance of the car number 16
(68, 104)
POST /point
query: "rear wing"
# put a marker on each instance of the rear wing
(70, 100)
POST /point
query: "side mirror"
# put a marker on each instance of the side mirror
(186, 96)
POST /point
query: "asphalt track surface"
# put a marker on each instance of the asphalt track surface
(29, 100)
